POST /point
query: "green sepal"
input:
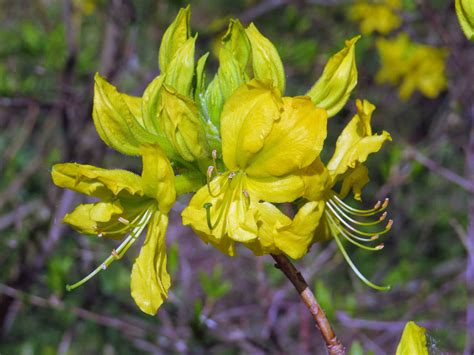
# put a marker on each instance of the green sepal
(180, 72)
(175, 36)
(117, 120)
(266, 62)
(182, 125)
(339, 78)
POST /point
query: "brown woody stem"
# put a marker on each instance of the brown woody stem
(333, 344)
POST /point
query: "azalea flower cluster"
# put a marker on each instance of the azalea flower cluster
(240, 146)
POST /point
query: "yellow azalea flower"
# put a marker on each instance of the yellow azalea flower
(465, 13)
(376, 16)
(413, 341)
(412, 66)
(128, 204)
(341, 221)
(267, 141)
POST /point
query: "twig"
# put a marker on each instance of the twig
(332, 342)
(447, 174)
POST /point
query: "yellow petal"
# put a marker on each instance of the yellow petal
(89, 218)
(150, 281)
(339, 78)
(276, 189)
(355, 181)
(93, 181)
(465, 13)
(195, 215)
(413, 341)
(295, 140)
(316, 181)
(294, 239)
(266, 62)
(175, 36)
(247, 119)
(280, 234)
(182, 126)
(158, 177)
(356, 141)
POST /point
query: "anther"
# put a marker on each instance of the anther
(385, 203)
(123, 220)
(214, 155)
(377, 205)
(389, 224)
(104, 267)
(100, 235)
(115, 254)
(375, 237)
(380, 246)
(231, 175)
(383, 216)
(210, 170)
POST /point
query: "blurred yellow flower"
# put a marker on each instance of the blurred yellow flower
(127, 204)
(413, 341)
(411, 66)
(376, 16)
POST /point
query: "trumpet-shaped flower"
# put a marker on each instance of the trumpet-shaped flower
(341, 221)
(376, 16)
(267, 140)
(127, 204)
(412, 66)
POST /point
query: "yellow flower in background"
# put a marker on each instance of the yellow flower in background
(376, 16)
(465, 13)
(341, 221)
(412, 66)
(267, 140)
(128, 204)
(413, 341)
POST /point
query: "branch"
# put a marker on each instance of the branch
(333, 344)
(445, 173)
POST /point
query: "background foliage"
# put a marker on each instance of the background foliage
(49, 52)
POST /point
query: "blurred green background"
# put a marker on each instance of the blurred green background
(49, 52)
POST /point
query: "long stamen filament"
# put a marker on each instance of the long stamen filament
(345, 223)
(341, 212)
(353, 267)
(124, 227)
(120, 251)
(350, 239)
(379, 207)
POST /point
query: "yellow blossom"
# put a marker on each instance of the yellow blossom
(128, 204)
(341, 221)
(412, 66)
(376, 16)
(465, 13)
(267, 141)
